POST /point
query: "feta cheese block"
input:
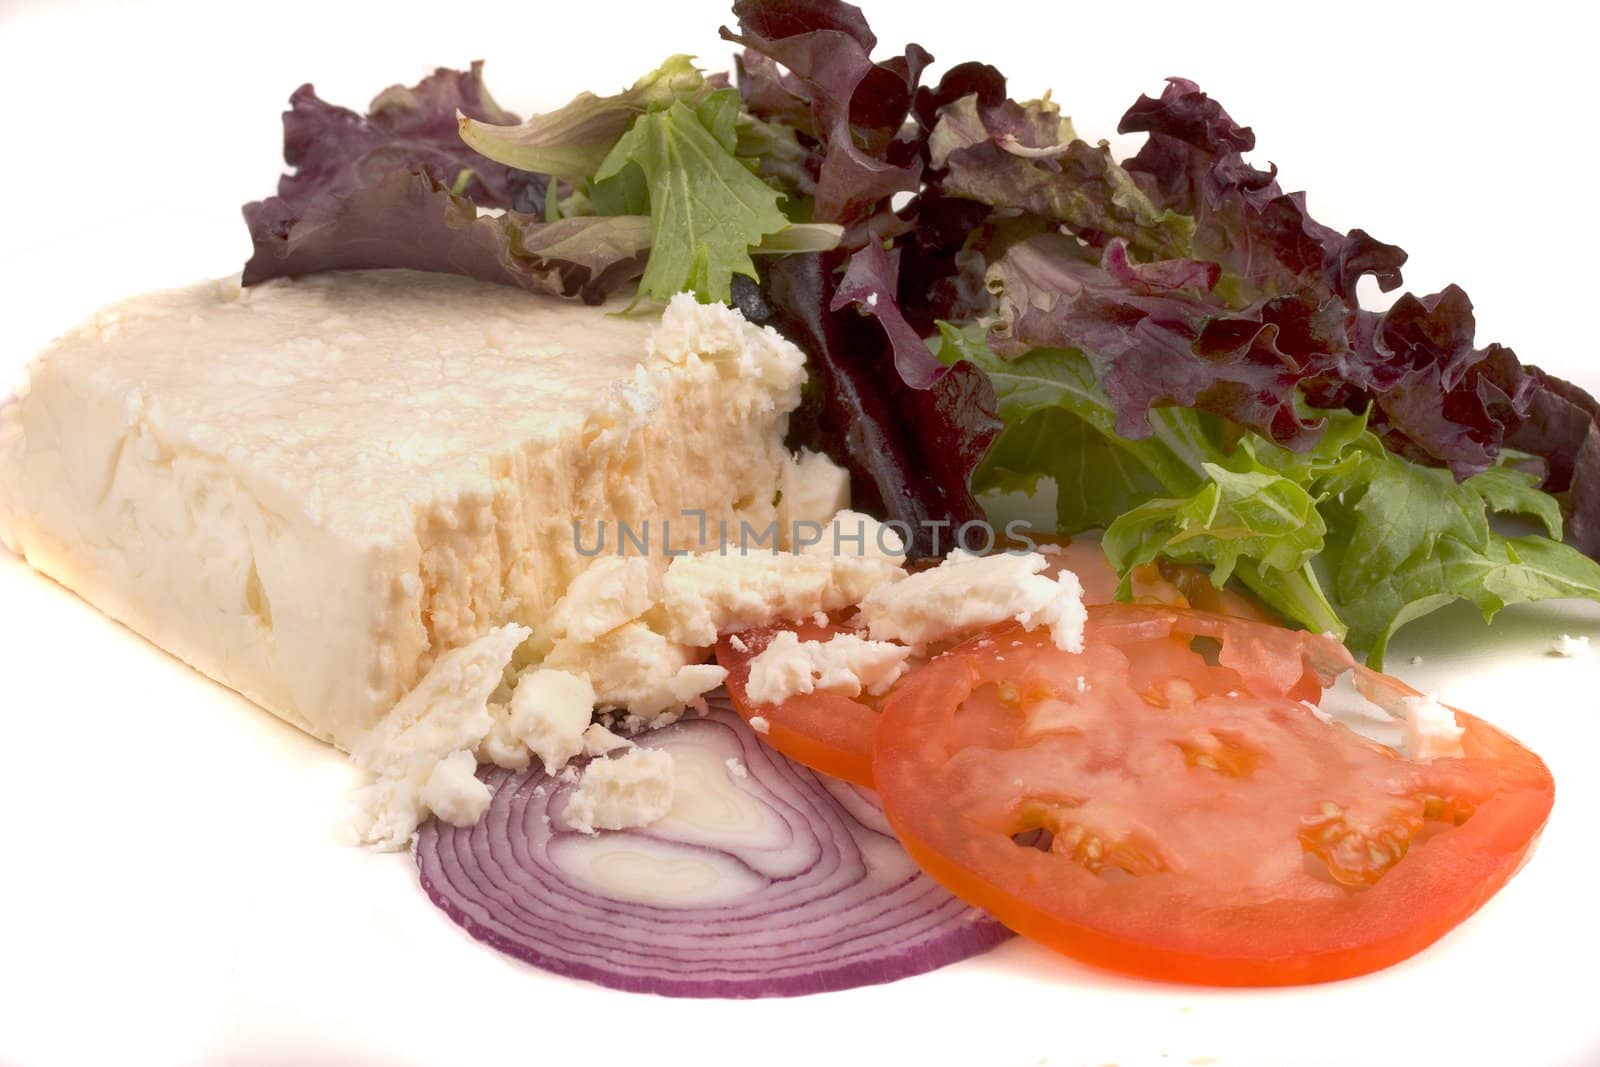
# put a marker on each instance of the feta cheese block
(313, 489)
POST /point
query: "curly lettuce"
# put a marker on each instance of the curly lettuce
(1346, 537)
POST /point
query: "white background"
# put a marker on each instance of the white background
(171, 887)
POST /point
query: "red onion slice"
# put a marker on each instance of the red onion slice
(779, 882)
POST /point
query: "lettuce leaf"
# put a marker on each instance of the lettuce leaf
(1346, 536)
(398, 188)
(1026, 157)
(809, 62)
(707, 210)
(573, 141)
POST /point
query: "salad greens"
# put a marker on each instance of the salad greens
(1347, 537)
(572, 142)
(1171, 339)
(399, 188)
(707, 211)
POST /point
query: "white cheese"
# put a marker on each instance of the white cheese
(759, 724)
(453, 791)
(968, 592)
(845, 664)
(640, 628)
(811, 484)
(636, 669)
(1571, 647)
(597, 741)
(446, 715)
(546, 718)
(622, 792)
(1431, 730)
(612, 591)
(736, 767)
(313, 489)
(835, 566)
(713, 334)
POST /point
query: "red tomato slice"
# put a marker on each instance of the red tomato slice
(1164, 805)
(833, 733)
(825, 731)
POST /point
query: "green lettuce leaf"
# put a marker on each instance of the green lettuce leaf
(707, 209)
(571, 142)
(1345, 537)
(1256, 514)
(1507, 571)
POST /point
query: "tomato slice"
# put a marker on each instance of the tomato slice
(1164, 805)
(825, 731)
(833, 734)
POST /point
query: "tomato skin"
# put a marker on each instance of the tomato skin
(1148, 926)
(827, 732)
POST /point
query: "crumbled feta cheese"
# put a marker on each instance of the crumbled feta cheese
(844, 664)
(597, 741)
(736, 767)
(968, 592)
(690, 331)
(638, 669)
(833, 567)
(639, 629)
(809, 484)
(622, 792)
(447, 713)
(1571, 647)
(453, 791)
(759, 724)
(1431, 730)
(736, 643)
(614, 590)
(547, 716)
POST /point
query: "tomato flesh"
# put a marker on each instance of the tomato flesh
(832, 733)
(1164, 804)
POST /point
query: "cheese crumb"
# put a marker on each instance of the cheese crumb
(836, 566)
(736, 643)
(718, 335)
(759, 724)
(453, 791)
(845, 664)
(446, 715)
(597, 741)
(809, 484)
(1571, 647)
(637, 669)
(612, 591)
(622, 792)
(1431, 728)
(547, 717)
(736, 767)
(968, 592)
